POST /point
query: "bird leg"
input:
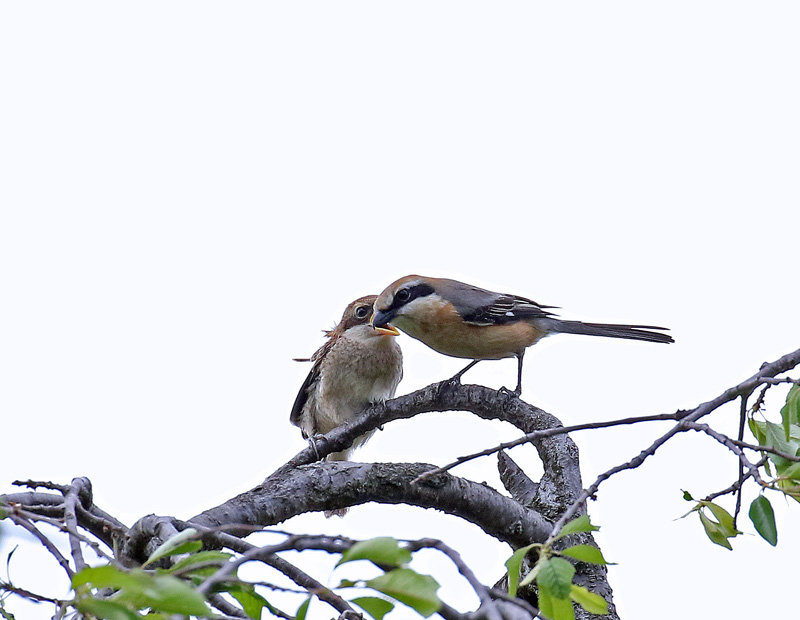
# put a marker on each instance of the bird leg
(520, 355)
(457, 377)
(518, 389)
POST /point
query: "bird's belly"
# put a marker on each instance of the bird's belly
(370, 377)
(478, 342)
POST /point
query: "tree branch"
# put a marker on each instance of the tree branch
(767, 372)
(338, 484)
(561, 482)
(551, 432)
(79, 486)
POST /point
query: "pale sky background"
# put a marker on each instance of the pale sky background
(192, 191)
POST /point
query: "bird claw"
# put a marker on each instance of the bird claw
(505, 390)
(455, 381)
(312, 441)
(450, 384)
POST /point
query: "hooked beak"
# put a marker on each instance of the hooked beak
(380, 322)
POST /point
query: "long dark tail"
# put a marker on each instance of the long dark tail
(609, 330)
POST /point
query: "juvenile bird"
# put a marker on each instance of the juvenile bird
(465, 321)
(358, 365)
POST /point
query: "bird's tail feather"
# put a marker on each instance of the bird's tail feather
(610, 330)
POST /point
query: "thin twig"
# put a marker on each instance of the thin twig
(731, 445)
(738, 484)
(276, 588)
(225, 606)
(768, 449)
(291, 571)
(57, 523)
(268, 556)
(30, 527)
(780, 380)
(548, 432)
(504, 596)
(41, 484)
(29, 595)
(781, 365)
(740, 437)
(487, 602)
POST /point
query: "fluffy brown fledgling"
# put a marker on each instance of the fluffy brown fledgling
(358, 365)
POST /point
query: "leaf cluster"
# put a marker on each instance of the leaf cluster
(783, 438)
(111, 592)
(553, 573)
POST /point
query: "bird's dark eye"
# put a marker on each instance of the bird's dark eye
(403, 295)
(362, 312)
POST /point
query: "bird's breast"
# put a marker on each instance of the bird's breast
(441, 328)
(355, 374)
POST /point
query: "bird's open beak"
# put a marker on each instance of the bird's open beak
(387, 330)
(380, 322)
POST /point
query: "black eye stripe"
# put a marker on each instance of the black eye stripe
(414, 292)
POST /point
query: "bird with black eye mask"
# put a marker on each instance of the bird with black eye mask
(461, 320)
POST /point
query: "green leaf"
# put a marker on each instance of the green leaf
(169, 594)
(776, 439)
(554, 607)
(784, 467)
(383, 550)
(579, 524)
(141, 589)
(790, 487)
(106, 576)
(714, 531)
(514, 566)
(533, 574)
(545, 602)
(792, 472)
(374, 606)
(688, 496)
(790, 412)
(591, 602)
(220, 557)
(409, 587)
(556, 575)
(4, 613)
(585, 553)
(724, 517)
(302, 610)
(758, 430)
(721, 530)
(105, 610)
(763, 518)
(182, 542)
(251, 601)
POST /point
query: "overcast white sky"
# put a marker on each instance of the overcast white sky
(192, 191)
